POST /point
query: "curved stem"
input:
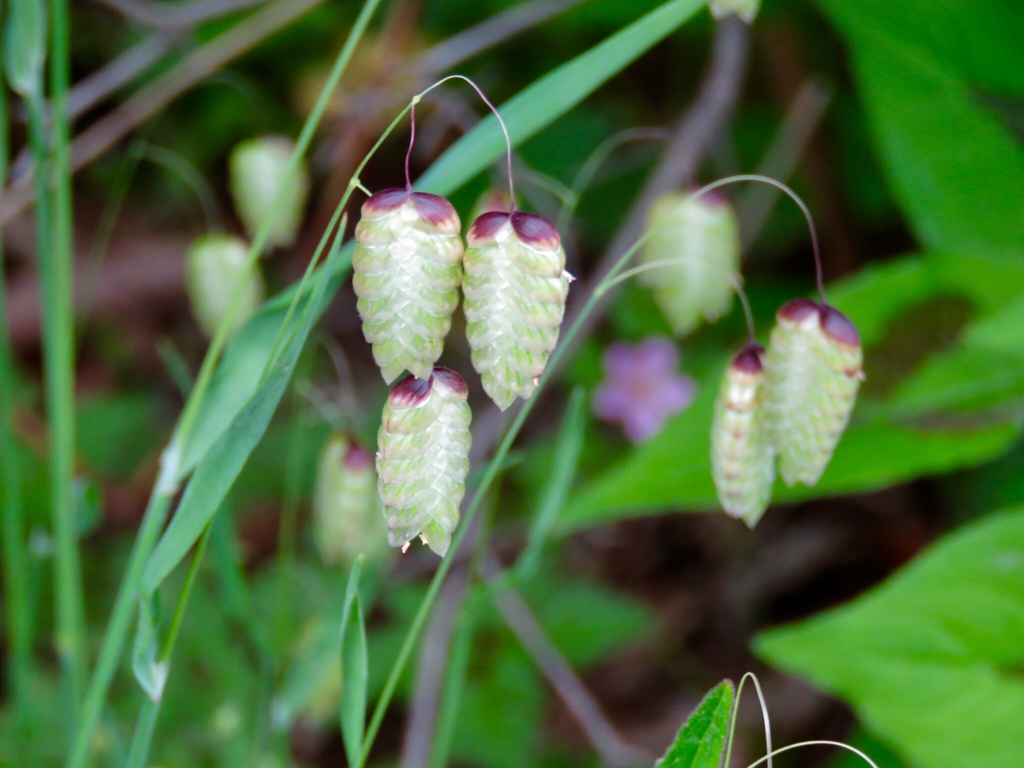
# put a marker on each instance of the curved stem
(764, 712)
(734, 280)
(501, 122)
(822, 742)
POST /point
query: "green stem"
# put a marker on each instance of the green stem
(18, 614)
(145, 726)
(60, 354)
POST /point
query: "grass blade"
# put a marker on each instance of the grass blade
(354, 669)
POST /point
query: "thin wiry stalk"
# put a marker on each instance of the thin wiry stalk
(18, 614)
(57, 272)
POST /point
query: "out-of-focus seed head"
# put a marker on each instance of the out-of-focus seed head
(407, 268)
(423, 458)
(742, 461)
(214, 265)
(701, 239)
(812, 373)
(515, 288)
(258, 168)
(347, 511)
(745, 9)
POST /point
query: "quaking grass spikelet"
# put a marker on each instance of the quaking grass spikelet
(812, 372)
(515, 288)
(423, 458)
(214, 266)
(407, 268)
(691, 233)
(258, 170)
(742, 461)
(347, 511)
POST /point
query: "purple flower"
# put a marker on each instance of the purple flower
(642, 387)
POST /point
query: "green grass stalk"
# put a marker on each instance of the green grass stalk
(12, 506)
(57, 273)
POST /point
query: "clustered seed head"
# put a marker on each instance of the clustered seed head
(347, 511)
(214, 267)
(422, 458)
(701, 239)
(515, 289)
(812, 370)
(742, 459)
(407, 268)
(258, 171)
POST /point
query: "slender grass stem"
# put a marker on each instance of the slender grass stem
(145, 726)
(12, 508)
(58, 280)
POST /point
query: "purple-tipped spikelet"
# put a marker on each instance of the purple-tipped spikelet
(812, 372)
(515, 289)
(423, 458)
(347, 511)
(742, 461)
(407, 267)
(694, 233)
(214, 266)
(258, 170)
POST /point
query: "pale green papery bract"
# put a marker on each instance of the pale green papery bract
(812, 372)
(213, 266)
(423, 458)
(745, 9)
(347, 511)
(407, 268)
(742, 461)
(515, 288)
(691, 233)
(258, 169)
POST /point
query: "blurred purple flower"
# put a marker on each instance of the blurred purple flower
(642, 387)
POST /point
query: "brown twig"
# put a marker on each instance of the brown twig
(612, 748)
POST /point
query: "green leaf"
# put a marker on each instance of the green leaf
(931, 659)
(354, 669)
(701, 740)
(958, 403)
(955, 167)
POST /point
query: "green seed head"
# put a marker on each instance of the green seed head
(347, 511)
(515, 289)
(423, 458)
(742, 461)
(214, 265)
(258, 169)
(407, 268)
(812, 372)
(691, 233)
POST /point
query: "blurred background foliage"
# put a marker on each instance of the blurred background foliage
(900, 122)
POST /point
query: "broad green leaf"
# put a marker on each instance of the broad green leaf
(531, 110)
(701, 741)
(955, 167)
(354, 669)
(930, 660)
(953, 402)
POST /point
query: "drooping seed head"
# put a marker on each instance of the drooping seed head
(696, 246)
(258, 169)
(515, 288)
(742, 461)
(423, 458)
(347, 519)
(407, 268)
(214, 266)
(813, 371)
